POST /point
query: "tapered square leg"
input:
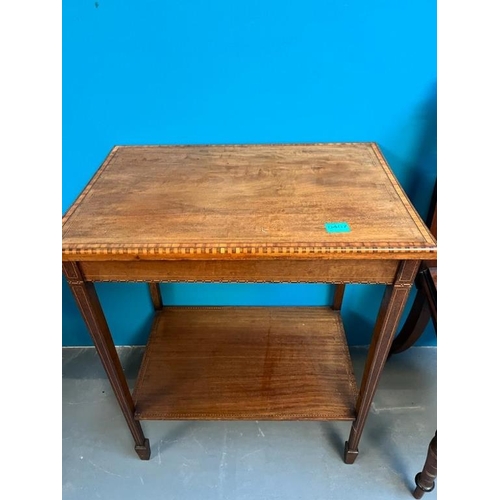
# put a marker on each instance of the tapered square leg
(349, 455)
(389, 314)
(143, 451)
(88, 302)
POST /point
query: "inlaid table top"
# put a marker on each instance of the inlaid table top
(244, 201)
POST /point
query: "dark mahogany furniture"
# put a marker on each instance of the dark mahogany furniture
(425, 480)
(426, 281)
(420, 312)
(313, 213)
(424, 309)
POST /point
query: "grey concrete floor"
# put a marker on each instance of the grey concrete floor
(245, 460)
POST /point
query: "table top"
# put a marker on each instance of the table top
(292, 201)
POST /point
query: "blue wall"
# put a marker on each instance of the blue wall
(199, 71)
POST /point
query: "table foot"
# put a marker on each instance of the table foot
(425, 480)
(349, 455)
(144, 451)
(421, 489)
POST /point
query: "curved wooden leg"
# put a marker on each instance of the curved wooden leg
(414, 326)
(425, 479)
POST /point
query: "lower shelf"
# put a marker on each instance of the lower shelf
(248, 363)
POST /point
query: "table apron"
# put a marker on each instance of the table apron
(260, 271)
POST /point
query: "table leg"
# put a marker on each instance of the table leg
(338, 297)
(425, 480)
(91, 310)
(156, 299)
(387, 321)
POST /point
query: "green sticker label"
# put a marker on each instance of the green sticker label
(337, 227)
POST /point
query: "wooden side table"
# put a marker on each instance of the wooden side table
(313, 213)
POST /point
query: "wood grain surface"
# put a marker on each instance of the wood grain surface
(238, 271)
(246, 363)
(244, 202)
